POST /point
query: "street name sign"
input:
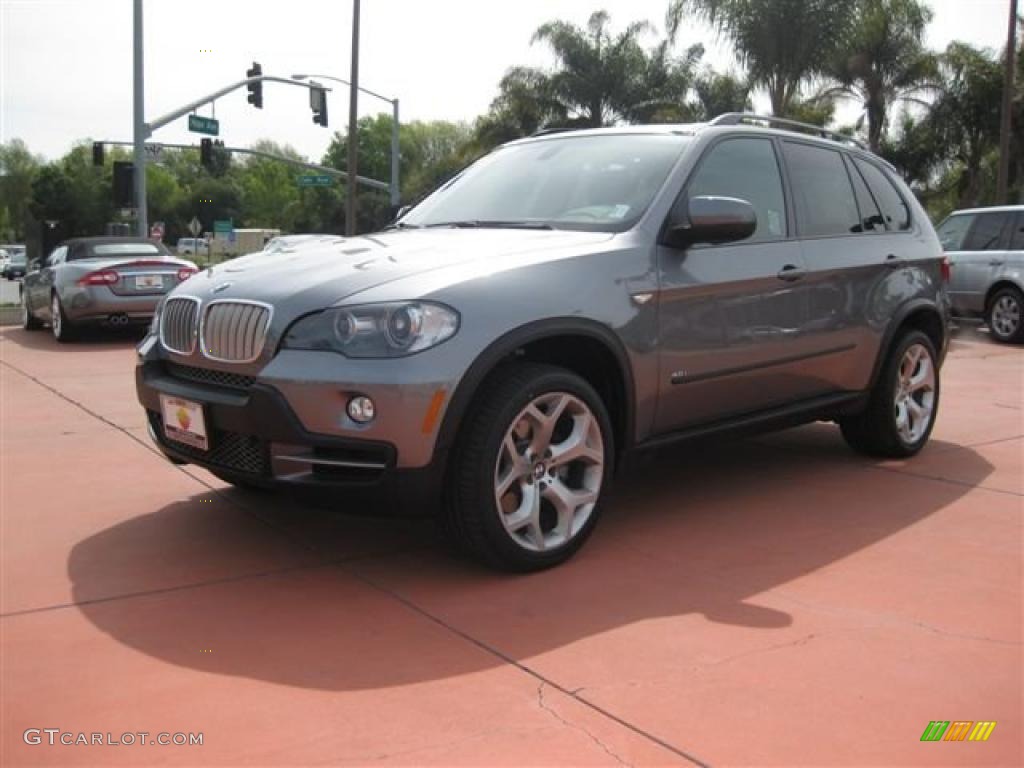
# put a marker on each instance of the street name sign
(316, 180)
(200, 124)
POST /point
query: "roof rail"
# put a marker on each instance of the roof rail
(549, 131)
(738, 118)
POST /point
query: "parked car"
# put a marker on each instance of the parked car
(986, 253)
(5, 258)
(96, 280)
(15, 267)
(569, 298)
(191, 246)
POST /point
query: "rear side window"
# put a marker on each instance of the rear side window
(953, 230)
(894, 207)
(749, 170)
(986, 234)
(825, 202)
(870, 215)
(1017, 241)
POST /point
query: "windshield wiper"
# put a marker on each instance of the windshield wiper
(491, 224)
(402, 225)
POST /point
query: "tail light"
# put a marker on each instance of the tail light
(185, 273)
(947, 269)
(100, 277)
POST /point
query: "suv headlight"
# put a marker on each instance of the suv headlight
(154, 324)
(375, 330)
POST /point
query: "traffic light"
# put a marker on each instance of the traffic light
(255, 89)
(124, 184)
(206, 153)
(318, 103)
(97, 153)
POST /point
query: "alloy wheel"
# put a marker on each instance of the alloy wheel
(915, 393)
(547, 478)
(55, 316)
(1005, 318)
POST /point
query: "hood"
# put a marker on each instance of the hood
(317, 274)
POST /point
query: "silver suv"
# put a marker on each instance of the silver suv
(986, 254)
(568, 299)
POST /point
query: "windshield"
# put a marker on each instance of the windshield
(18, 258)
(600, 183)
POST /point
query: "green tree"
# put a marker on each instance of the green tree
(18, 169)
(966, 114)
(782, 43)
(882, 60)
(717, 94)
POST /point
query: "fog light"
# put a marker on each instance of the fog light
(361, 410)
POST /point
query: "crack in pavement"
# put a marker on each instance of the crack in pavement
(559, 718)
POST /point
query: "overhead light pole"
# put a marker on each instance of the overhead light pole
(353, 127)
(1005, 126)
(139, 123)
(395, 185)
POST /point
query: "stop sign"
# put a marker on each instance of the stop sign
(156, 232)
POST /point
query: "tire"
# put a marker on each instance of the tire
(1005, 315)
(63, 329)
(902, 407)
(28, 321)
(524, 417)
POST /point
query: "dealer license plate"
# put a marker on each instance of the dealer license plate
(184, 422)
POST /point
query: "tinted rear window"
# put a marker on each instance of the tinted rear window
(986, 234)
(825, 203)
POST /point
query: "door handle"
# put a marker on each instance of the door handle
(996, 263)
(791, 273)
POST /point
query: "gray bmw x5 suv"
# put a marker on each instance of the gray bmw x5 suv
(569, 298)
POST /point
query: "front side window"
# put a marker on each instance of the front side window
(57, 256)
(599, 183)
(825, 202)
(986, 233)
(746, 169)
(953, 230)
(894, 208)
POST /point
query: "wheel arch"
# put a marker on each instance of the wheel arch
(998, 285)
(585, 347)
(922, 315)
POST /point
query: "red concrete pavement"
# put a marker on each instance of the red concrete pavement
(776, 601)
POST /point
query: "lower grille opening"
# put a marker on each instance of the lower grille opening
(228, 450)
(210, 376)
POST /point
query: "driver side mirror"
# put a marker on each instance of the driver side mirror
(713, 220)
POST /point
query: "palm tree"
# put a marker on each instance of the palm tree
(882, 60)
(718, 93)
(596, 72)
(782, 43)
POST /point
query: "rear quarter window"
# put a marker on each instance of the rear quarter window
(1017, 240)
(894, 208)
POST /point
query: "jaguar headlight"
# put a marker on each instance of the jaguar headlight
(375, 330)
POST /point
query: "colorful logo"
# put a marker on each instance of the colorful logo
(958, 730)
(184, 419)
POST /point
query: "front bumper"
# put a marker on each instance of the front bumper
(257, 439)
